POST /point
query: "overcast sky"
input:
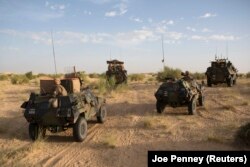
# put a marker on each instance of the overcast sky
(89, 32)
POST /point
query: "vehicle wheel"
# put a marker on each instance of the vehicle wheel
(101, 117)
(230, 82)
(209, 84)
(201, 100)
(80, 129)
(234, 82)
(192, 107)
(160, 106)
(36, 132)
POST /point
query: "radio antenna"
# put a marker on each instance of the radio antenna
(227, 50)
(163, 58)
(52, 41)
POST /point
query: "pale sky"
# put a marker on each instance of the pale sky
(89, 32)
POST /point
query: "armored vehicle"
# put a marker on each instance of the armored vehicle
(44, 111)
(221, 71)
(179, 92)
(116, 70)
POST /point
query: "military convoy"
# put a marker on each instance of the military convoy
(44, 111)
(181, 92)
(221, 71)
(117, 71)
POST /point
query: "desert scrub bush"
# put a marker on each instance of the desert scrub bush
(3, 77)
(136, 77)
(245, 103)
(199, 76)
(56, 75)
(42, 75)
(19, 79)
(109, 141)
(29, 75)
(94, 75)
(168, 72)
(14, 155)
(110, 85)
(121, 88)
(102, 86)
(83, 76)
(149, 122)
(151, 79)
(214, 138)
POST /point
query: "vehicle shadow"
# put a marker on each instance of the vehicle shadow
(143, 109)
(14, 128)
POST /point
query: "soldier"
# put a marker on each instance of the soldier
(122, 67)
(59, 90)
(187, 77)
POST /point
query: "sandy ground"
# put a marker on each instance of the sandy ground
(132, 128)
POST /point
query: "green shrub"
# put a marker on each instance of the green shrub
(83, 76)
(29, 75)
(19, 79)
(151, 79)
(42, 75)
(105, 85)
(168, 72)
(3, 77)
(198, 76)
(136, 77)
(55, 75)
(94, 75)
(102, 86)
(111, 83)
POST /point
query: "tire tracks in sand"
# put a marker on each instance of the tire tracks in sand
(65, 154)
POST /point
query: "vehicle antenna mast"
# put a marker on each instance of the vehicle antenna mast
(163, 58)
(52, 41)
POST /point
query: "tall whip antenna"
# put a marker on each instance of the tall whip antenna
(227, 50)
(163, 58)
(110, 54)
(53, 51)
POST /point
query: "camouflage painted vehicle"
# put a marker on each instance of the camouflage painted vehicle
(221, 71)
(179, 92)
(116, 70)
(46, 112)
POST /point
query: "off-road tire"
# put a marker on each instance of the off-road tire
(101, 116)
(160, 106)
(209, 84)
(234, 82)
(36, 131)
(201, 100)
(230, 82)
(80, 129)
(192, 107)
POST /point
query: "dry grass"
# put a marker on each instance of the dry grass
(214, 138)
(109, 141)
(245, 103)
(229, 107)
(13, 155)
(150, 122)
